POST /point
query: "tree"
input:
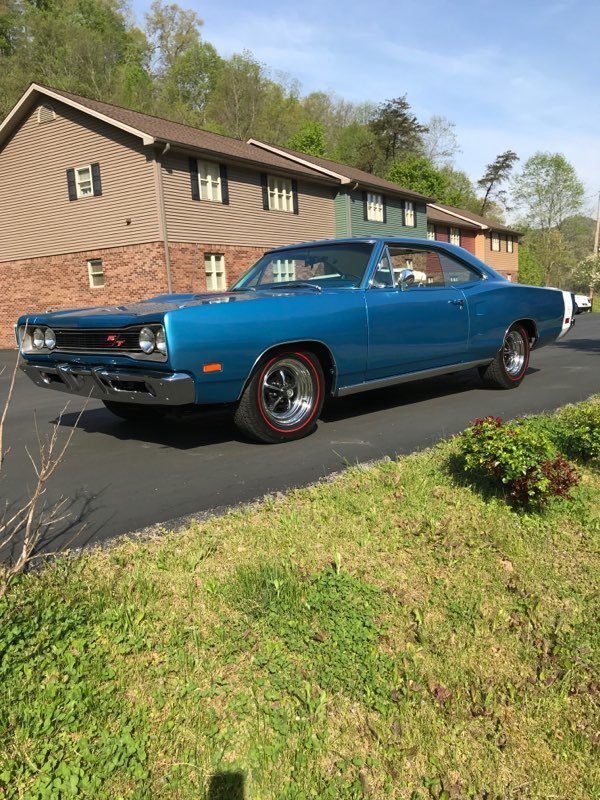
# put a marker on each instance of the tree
(494, 176)
(578, 233)
(439, 141)
(397, 132)
(551, 254)
(184, 68)
(418, 174)
(239, 96)
(357, 147)
(458, 191)
(84, 46)
(309, 139)
(548, 190)
(531, 271)
(587, 275)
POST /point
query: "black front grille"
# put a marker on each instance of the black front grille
(82, 340)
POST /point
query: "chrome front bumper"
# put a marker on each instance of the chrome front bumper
(150, 387)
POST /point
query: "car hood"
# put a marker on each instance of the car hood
(145, 310)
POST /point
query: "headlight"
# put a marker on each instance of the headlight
(161, 341)
(50, 339)
(147, 340)
(38, 338)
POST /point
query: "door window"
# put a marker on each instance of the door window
(432, 267)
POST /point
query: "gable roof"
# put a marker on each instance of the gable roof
(483, 223)
(342, 171)
(158, 131)
(434, 214)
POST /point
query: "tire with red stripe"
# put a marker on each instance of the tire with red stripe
(283, 399)
(508, 368)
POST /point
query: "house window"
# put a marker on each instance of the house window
(430, 231)
(209, 179)
(280, 194)
(284, 269)
(83, 181)
(455, 236)
(214, 269)
(95, 273)
(374, 207)
(409, 214)
(509, 243)
(496, 242)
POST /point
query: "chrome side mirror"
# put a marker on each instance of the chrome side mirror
(405, 279)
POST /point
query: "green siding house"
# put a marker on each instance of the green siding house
(364, 204)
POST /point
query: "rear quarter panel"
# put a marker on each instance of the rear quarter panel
(495, 305)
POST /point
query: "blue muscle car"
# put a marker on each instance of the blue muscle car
(306, 322)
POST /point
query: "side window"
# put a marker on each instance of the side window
(383, 277)
(432, 268)
(456, 273)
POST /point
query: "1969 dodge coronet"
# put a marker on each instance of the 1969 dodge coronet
(307, 321)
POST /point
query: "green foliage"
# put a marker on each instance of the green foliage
(577, 431)
(586, 274)
(309, 139)
(496, 174)
(326, 625)
(396, 131)
(578, 234)
(418, 174)
(58, 687)
(520, 460)
(531, 271)
(548, 189)
(549, 254)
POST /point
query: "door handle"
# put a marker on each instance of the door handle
(459, 303)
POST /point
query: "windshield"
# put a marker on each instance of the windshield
(326, 265)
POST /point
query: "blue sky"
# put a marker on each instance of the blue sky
(512, 75)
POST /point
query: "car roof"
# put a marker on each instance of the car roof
(411, 241)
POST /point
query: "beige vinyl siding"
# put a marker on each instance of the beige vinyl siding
(37, 217)
(244, 221)
(502, 261)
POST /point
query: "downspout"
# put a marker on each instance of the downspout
(349, 208)
(162, 217)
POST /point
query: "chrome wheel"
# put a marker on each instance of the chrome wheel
(514, 353)
(287, 393)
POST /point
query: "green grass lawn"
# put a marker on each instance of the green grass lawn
(390, 633)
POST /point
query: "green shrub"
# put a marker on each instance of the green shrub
(520, 460)
(578, 431)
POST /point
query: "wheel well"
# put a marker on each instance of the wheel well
(322, 352)
(531, 329)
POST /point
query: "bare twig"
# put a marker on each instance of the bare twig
(5, 409)
(29, 522)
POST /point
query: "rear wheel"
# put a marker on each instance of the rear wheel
(283, 399)
(508, 368)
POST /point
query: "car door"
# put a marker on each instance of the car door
(425, 325)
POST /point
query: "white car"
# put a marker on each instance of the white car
(582, 303)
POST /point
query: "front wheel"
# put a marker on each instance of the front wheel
(283, 399)
(508, 368)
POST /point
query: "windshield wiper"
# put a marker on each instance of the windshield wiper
(295, 285)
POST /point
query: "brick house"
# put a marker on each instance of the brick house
(103, 205)
(490, 241)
